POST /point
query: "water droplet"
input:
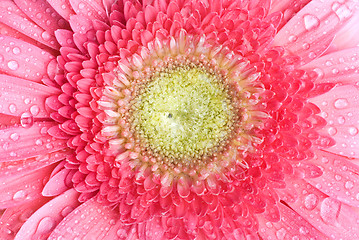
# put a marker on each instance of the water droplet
(46, 36)
(26, 120)
(311, 201)
(335, 71)
(81, 5)
(303, 230)
(329, 210)
(312, 55)
(16, 50)
(35, 110)
(338, 177)
(27, 100)
(353, 131)
(332, 131)
(281, 233)
(306, 46)
(292, 38)
(341, 120)
(1, 58)
(329, 63)
(341, 10)
(349, 185)
(311, 22)
(122, 233)
(13, 65)
(12, 108)
(14, 136)
(341, 103)
(46, 225)
(19, 195)
(66, 211)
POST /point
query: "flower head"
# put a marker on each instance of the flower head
(178, 119)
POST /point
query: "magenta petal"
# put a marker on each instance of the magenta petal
(24, 60)
(339, 180)
(18, 97)
(292, 226)
(13, 17)
(338, 67)
(340, 108)
(14, 217)
(16, 190)
(42, 14)
(44, 220)
(19, 143)
(303, 34)
(97, 222)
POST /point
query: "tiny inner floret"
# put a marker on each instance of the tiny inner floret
(183, 112)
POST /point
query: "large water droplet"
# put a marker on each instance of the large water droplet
(19, 195)
(353, 131)
(46, 225)
(311, 22)
(311, 201)
(16, 50)
(14, 136)
(341, 10)
(349, 185)
(46, 36)
(341, 103)
(12, 108)
(329, 210)
(26, 120)
(332, 131)
(13, 65)
(34, 110)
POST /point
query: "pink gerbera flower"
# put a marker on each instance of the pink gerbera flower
(179, 119)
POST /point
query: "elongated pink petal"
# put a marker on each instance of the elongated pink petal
(19, 143)
(58, 183)
(16, 190)
(348, 36)
(22, 167)
(328, 215)
(337, 67)
(97, 221)
(13, 218)
(63, 8)
(24, 60)
(42, 14)
(94, 9)
(339, 180)
(309, 33)
(13, 17)
(340, 108)
(291, 226)
(45, 219)
(21, 96)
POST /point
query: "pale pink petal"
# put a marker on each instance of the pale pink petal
(328, 215)
(340, 178)
(18, 143)
(16, 190)
(89, 9)
(22, 167)
(97, 222)
(340, 108)
(21, 96)
(58, 183)
(13, 17)
(291, 226)
(151, 230)
(45, 219)
(42, 14)
(62, 7)
(24, 60)
(14, 217)
(309, 33)
(338, 67)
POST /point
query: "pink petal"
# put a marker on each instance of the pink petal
(21, 96)
(328, 215)
(97, 222)
(42, 14)
(24, 60)
(16, 190)
(13, 218)
(337, 67)
(303, 34)
(62, 7)
(18, 143)
(89, 9)
(22, 167)
(58, 183)
(291, 226)
(340, 178)
(44, 220)
(340, 109)
(13, 17)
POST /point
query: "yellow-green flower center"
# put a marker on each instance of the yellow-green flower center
(183, 112)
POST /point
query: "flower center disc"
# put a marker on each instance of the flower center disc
(183, 113)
